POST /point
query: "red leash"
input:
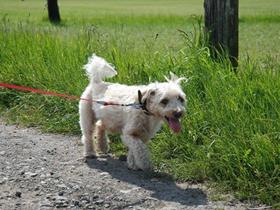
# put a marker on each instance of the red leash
(69, 97)
(43, 92)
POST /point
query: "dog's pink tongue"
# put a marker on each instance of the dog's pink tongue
(174, 124)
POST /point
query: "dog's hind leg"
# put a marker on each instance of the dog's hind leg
(87, 123)
(101, 138)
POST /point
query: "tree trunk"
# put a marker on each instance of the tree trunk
(53, 11)
(221, 22)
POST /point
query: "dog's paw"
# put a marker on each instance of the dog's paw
(131, 165)
(145, 167)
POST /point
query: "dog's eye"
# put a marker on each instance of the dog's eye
(164, 101)
(181, 99)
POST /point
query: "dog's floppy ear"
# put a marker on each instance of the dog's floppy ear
(175, 78)
(145, 95)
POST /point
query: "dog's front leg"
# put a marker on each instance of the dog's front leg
(130, 160)
(138, 153)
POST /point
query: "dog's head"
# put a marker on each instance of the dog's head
(167, 101)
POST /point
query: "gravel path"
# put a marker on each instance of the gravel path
(45, 171)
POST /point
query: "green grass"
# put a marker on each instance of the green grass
(232, 129)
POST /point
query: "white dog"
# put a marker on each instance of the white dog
(136, 112)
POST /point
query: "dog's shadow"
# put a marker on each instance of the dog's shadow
(161, 185)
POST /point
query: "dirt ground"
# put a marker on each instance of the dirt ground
(46, 171)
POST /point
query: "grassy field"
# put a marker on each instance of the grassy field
(232, 130)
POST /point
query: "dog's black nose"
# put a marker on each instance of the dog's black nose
(177, 114)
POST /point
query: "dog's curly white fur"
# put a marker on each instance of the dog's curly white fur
(164, 101)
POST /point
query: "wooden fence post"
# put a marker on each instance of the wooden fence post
(53, 11)
(221, 22)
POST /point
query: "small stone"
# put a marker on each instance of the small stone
(48, 196)
(2, 181)
(62, 186)
(94, 197)
(37, 194)
(18, 194)
(107, 205)
(125, 191)
(90, 207)
(61, 205)
(43, 176)
(76, 203)
(60, 201)
(46, 204)
(154, 180)
(76, 187)
(104, 174)
(61, 198)
(60, 193)
(85, 200)
(30, 174)
(2, 152)
(98, 202)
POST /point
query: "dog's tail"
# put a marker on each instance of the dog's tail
(98, 69)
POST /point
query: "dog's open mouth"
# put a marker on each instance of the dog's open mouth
(174, 124)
